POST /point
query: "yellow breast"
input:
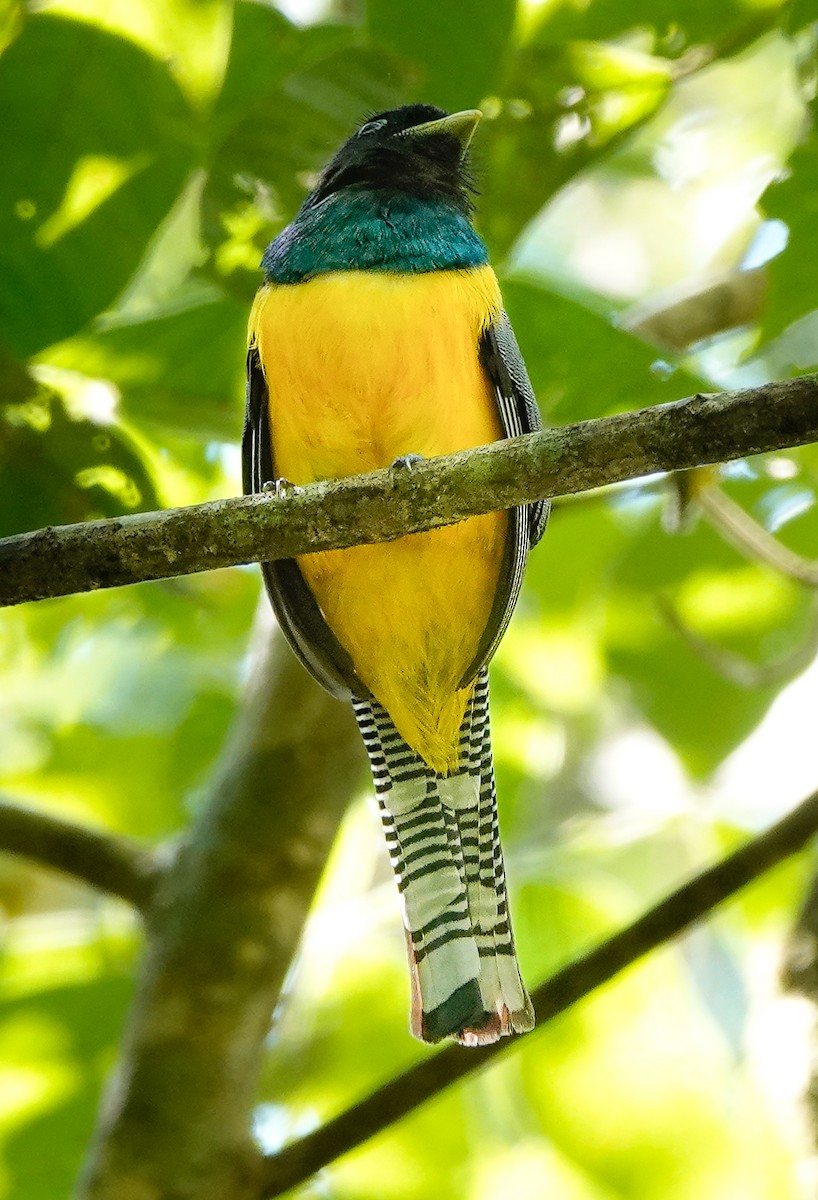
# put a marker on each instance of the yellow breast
(363, 367)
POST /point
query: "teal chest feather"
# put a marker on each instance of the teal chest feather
(373, 231)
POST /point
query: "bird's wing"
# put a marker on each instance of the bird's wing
(519, 414)
(300, 618)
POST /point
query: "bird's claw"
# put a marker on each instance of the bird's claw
(280, 487)
(406, 462)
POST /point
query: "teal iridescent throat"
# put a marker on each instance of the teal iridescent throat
(373, 231)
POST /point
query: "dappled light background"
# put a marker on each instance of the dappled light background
(648, 180)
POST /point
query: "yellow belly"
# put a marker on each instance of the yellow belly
(362, 367)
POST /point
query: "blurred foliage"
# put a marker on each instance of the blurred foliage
(631, 154)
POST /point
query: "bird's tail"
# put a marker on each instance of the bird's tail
(444, 844)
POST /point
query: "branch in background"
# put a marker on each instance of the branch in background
(746, 535)
(679, 317)
(113, 864)
(736, 668)
(223, 932)
(385, 504)
(799, 973)
(401, 1095)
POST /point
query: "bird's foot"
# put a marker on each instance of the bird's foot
(406, 462)
(280, 488)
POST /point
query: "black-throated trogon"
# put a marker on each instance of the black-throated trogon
(379, 334)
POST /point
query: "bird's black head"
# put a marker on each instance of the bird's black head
(418, 149)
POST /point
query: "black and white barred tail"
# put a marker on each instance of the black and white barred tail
(444, 844)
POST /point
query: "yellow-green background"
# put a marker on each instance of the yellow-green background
(632, 153)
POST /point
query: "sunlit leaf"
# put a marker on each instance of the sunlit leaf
(85, 181)
(60, 465)
(183, 370)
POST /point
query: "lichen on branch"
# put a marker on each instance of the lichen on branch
(384, 505)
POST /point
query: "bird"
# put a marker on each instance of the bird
(377, 339)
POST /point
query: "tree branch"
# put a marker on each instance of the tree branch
(401, 1095)
(748, 537)
(113, 864)
(224, 928)
(384, 505)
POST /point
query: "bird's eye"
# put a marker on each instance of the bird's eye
(371, 127)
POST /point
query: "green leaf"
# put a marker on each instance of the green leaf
(793, 278)
(183, 371)
(456, 51)
(56, 1045)
(59, 466)
(638, 1063)
(745, 609)
(100, 149)
(115, 704)
(569, 353)
(603, 65)
(265, 48)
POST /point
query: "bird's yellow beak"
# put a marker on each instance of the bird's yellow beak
(460, 125)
